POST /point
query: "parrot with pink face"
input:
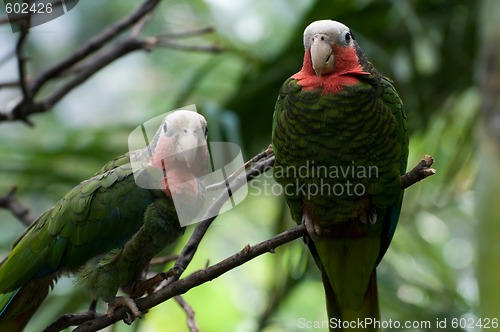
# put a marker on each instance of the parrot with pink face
(108, 227)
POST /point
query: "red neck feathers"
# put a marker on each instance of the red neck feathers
(178, 178)
(346, 71)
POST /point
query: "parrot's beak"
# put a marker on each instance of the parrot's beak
(322, 57)
(187, 148)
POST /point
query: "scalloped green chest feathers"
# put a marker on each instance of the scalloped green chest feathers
(354, 137)
(339, 158)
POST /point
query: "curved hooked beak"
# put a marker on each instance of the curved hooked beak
(188, 146)
(322, 57)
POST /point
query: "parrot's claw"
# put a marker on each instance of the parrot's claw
(312, 229)
(121, 301)
(368, 215)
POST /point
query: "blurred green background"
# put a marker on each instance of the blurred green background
(444, 261)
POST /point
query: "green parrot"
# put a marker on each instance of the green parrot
(108, 227)
(341, 145)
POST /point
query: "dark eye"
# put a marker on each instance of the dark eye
(165, 128)
(347, 37)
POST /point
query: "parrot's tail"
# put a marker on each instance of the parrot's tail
(18, 306)
(364, 318)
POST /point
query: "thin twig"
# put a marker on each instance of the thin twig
(68, 320)
(94, 44)
(185, 34)
(419, 172)
(257, 157)
(100, 61)
(21, 69)
(9, 202)
(190, 318)
(155, 41)
(163, 260)
(94, 55)
(8, 85)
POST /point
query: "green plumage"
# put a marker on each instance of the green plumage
(101, 214)
(354, 131)
(107, 228)
(339, 156)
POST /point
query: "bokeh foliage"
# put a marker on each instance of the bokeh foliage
(430, 48)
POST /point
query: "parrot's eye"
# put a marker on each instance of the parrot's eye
(347, 37)
(165, 128)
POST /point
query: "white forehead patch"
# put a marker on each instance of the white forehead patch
(333, 29)
(184, 119)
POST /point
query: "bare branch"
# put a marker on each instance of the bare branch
(419, 172)
(9, 202)
(68, 320)
(190, 318)
(160, 42)
(94, 44)
(100, 61)
(90, 58)
(21, 64)
(185, 34)
(163, 260)
(223, 184)
(13, 84)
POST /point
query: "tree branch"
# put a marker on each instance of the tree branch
(94, 44)
(68, 320)
(21, 64)
(9, 202)
(419, 172)
(90, 58)
(190, 318)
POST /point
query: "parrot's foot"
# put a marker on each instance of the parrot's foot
(369, 216)
(121, 301)
(367, 213)
(312, 229)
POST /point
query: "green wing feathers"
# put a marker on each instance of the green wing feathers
(89, 220)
